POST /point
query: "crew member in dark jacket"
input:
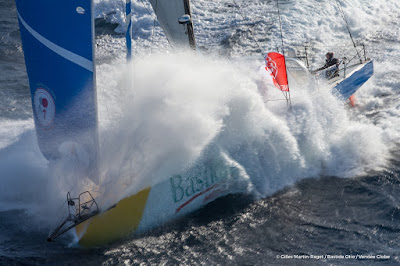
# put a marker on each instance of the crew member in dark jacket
(330, 61)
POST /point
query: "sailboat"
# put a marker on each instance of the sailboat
(344, 79)
(59, 54)
(349, 76)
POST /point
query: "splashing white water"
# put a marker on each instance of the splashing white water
(171, 109)
(165, 112)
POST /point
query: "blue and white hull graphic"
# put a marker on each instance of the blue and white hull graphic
(57, 38)
(354, 81)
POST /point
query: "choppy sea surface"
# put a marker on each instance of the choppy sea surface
(325, 177)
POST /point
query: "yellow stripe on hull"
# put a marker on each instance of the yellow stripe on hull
(115, 223)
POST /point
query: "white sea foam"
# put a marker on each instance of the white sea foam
(160, 115)
(170, 109)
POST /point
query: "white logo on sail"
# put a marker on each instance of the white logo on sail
(45, 108)
(80, 10)
(271, 66)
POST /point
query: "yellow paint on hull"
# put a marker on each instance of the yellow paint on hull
(115, 223)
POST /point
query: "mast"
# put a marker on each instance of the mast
(286, 94)
(348, 29)
(280, 26)
(175, 18)
(190, 29)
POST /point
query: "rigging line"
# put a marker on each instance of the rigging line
(154, 25)
(348, 28)
(287, 94)
(288, 99)
(284, 95)
(316, 81)
(280, 25)
(321, 46)
(122, 3)
(103, 89)
(151, 15)
(352, 59)
(123, 8)
(145, 7)
(277, 100)
(251, 32)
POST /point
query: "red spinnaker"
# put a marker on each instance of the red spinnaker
(276, 67)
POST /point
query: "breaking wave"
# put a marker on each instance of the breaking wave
(166, 113)
(170, 112)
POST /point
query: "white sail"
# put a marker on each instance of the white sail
(177, 27)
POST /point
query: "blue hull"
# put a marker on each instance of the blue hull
(350, 85)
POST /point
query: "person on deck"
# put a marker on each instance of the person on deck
(330, 61)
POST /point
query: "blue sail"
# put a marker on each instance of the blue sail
(58, 44)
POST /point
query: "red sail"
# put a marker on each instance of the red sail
(276, 67)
